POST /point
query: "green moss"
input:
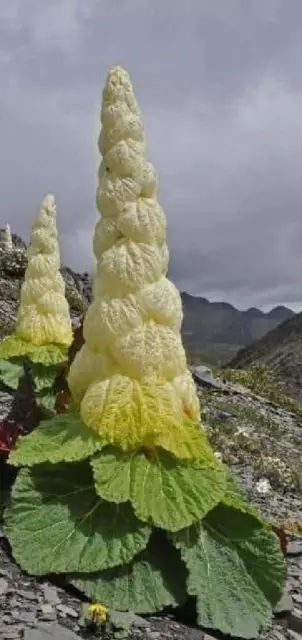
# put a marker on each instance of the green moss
(262, 381)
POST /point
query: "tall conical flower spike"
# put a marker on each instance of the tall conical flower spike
(43, 316)
(7, 238)
(131, 375)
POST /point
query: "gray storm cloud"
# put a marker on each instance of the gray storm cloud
(220, 88)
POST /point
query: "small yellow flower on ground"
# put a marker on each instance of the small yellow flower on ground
(98, 612)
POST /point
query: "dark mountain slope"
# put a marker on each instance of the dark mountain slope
(222, 329)
(280, 349)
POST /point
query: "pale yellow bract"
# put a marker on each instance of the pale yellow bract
(43, 316)
(131, 376)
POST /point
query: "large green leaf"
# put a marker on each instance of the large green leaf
(154, 580)
(56, 523)
(11, 371)
(49, 354)
(44, 376)
(46, 399)
(63, 438)
(164, 491)
(236, 571)
(13, 346)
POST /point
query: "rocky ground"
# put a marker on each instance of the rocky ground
(262, 444)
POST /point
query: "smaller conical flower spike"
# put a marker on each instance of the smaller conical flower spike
(7, 238)
(131, 375)
(43, 316)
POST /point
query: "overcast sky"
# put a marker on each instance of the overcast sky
(220, 87)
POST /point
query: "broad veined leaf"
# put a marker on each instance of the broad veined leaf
(236, 571)
(56, 523)
(155, 579)
(167, 492)
(62, 438)
(46, 398)
(11, 371)
(49, 354)
(44, 376)
(13, 346)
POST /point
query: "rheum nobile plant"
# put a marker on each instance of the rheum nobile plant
(43, 330)
(123, 493)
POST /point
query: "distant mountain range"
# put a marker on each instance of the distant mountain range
(215, 331)
(281, 350)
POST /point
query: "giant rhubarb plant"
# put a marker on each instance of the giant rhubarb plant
(43, 329)
(123, 493)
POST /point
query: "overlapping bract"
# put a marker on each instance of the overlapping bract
(133, 349)
(35, 353)
(43, 315)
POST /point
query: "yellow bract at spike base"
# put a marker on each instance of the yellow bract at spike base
(131, 376)
(43, 316)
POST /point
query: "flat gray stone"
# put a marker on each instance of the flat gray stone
(9, 633)
(297, 597)
(222, 415)
(140, 623)
(285, 603)
(27, 595)
(294, 548)
(50, 632)
(3, 587)
(293, 635)
(67, 611)
(50, 594)
(204, 376)
(48, 612)
(204, 372)
(295, 621)
(153, 635)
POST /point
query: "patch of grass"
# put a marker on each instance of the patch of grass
(235, 445)
(262, 381)
(247, 414)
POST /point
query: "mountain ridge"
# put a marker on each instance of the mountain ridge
(280, 350)
(278, 311)
(219, 330)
